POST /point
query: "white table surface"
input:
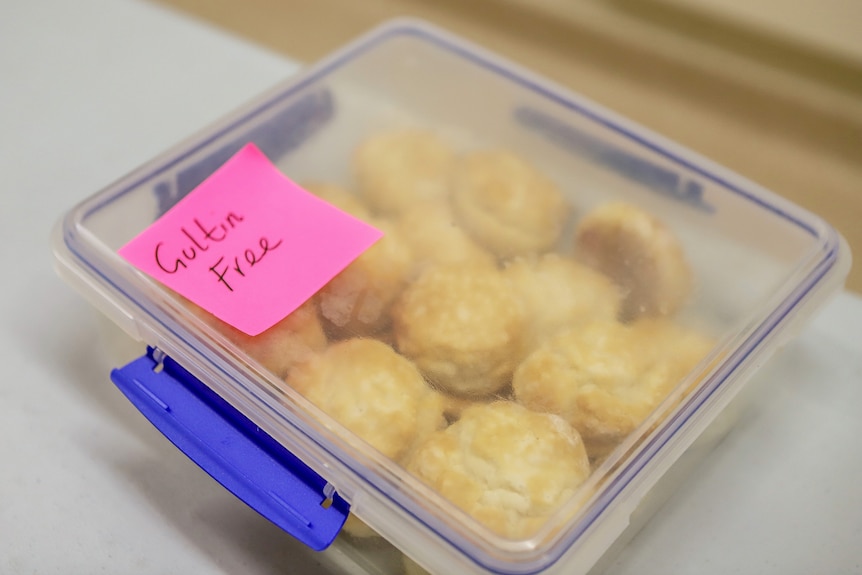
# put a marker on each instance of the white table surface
(91, 89)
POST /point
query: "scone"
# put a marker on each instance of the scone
(558, 292)
(604, 378)
(373, 391)
(357, 301)
(429, 228)
(428, 416)
(462, 325)
(508, 467)
(289, 342)
(640, 254)
(506, 205)
(340, 198)
(395, 170)
(671, 348)
(455, 405)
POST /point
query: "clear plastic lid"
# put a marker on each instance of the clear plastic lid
(559, 294)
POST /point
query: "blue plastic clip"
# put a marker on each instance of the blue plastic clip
(233, 450)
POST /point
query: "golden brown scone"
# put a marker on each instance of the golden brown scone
(640, 254)
(604, 378)
(340, 198)
(454, 405)
(670, 346)
(434, 238)
(590, 376)
(372, 391)
(291, 341)
(387, 336)
(507, 466)
(462, 326)
(558, 293)
(395, 170)
(356, 302)
(506, 205)
(665, 339)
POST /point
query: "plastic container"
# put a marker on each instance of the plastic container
(760, 266)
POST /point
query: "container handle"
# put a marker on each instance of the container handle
(233, 450)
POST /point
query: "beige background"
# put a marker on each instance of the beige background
(781, 109)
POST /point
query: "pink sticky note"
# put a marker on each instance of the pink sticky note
(249, 245)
